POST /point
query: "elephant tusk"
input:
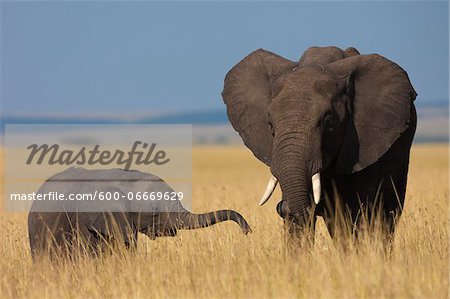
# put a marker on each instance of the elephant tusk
(269, 190)
(316, 187)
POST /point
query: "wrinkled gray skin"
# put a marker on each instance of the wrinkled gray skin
(347, 116)
(62, 230)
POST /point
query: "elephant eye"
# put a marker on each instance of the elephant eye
(271, 128)
(329, 122)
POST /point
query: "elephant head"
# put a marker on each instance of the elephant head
(332, 110)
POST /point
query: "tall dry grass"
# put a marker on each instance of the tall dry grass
(220, 262)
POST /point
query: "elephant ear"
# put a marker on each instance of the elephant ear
(381, 98)
(247, 94)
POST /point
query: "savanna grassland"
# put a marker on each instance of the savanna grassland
(220, 261)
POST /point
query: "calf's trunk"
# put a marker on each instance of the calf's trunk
(188, 220)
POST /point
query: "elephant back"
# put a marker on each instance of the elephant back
(129, 190)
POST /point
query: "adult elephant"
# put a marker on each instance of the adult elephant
(335, 128)
(64, 226)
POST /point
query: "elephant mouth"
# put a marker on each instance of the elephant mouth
(273, 181)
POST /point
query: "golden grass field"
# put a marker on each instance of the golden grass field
(220, 261)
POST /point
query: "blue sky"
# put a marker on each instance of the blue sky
(134, 57)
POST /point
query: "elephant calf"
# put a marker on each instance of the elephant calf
(65, 230)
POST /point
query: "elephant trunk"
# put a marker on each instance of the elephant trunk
(294, 184)
(188, 220)
(294, 166)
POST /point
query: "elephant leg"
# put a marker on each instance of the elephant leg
(340, 224)
(396, 182)
(393, 206)
(95, 243)
(131, 241)
(380, 215)
(338, 215)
